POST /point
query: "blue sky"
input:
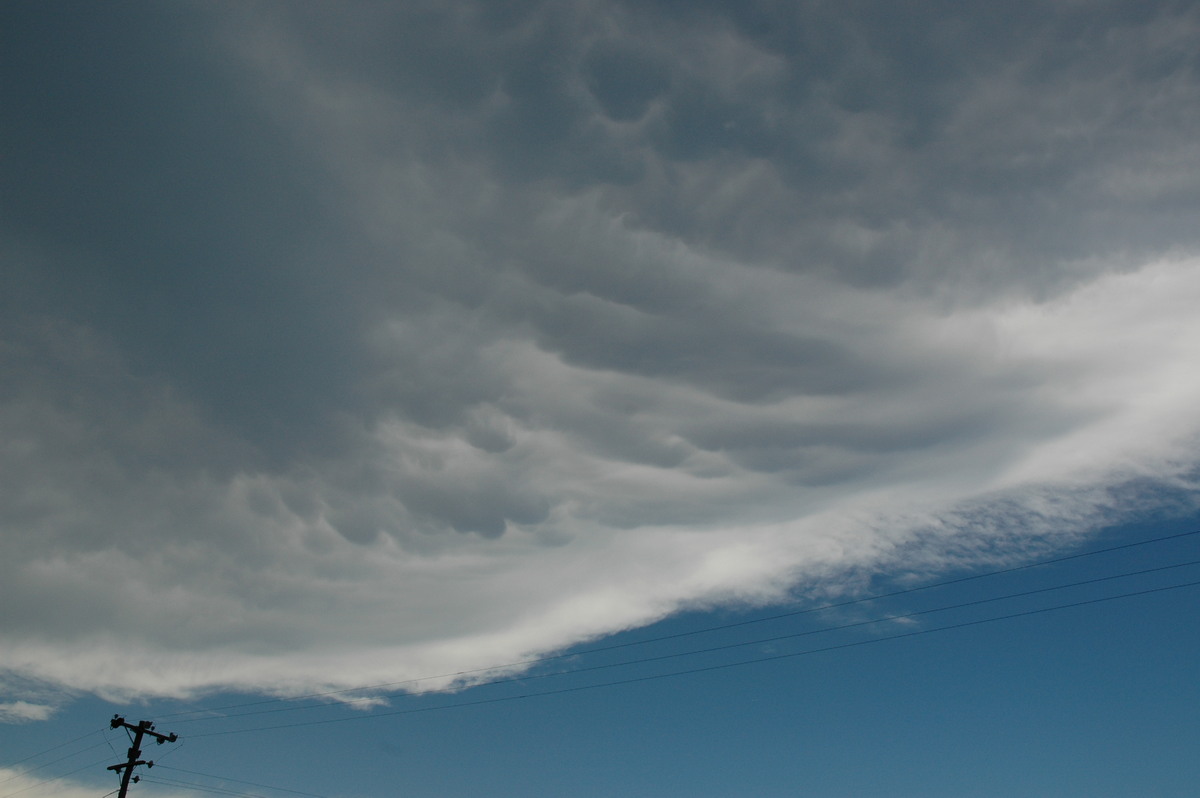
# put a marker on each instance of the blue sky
(349, 345)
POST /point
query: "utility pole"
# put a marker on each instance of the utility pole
(139, 731)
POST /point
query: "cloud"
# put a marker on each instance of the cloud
(22, 711)
(15, 782)
(362, 347)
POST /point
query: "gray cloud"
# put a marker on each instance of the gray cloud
(441, 334)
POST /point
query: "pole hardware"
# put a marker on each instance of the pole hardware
(140, 731)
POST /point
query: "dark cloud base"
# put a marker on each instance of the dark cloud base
(532, 321)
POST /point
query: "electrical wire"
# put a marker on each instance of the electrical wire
(644, 660)
(175, 749)
(657, 639)
(27, 771)
(55, 778)
(636, 661)
(52, 748)
(110, 745)
(707, 668)
(239, 781)
(187, 785)
(760, 641)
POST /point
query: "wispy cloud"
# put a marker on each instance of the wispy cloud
(16, 782)
(22, 711)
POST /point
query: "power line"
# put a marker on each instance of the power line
(27, 771)
(53, 748)
(55, 778)
(240, 781)
(759, 641)
(661, 638)
(187, 785)
(707, 668)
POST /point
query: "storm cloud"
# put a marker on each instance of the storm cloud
(347, 345)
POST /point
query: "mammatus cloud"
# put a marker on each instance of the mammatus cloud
(447, 337)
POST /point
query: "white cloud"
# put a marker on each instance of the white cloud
(15, 782)
(22, 711)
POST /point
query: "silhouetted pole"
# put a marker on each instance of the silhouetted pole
(139, 731)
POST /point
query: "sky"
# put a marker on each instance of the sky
(432, 353)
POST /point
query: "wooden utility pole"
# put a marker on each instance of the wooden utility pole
(139, 731)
